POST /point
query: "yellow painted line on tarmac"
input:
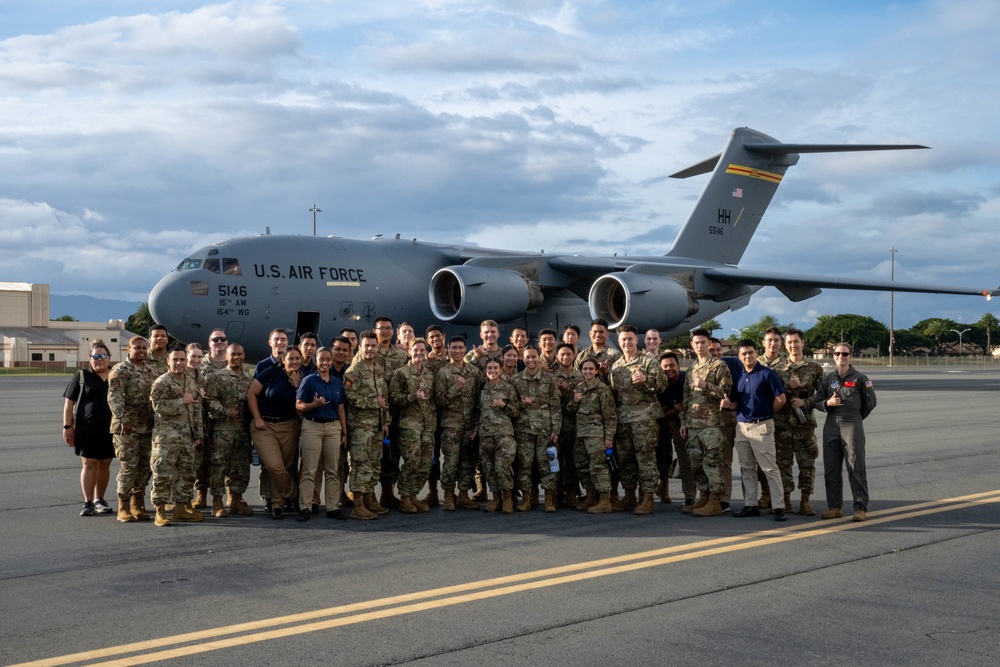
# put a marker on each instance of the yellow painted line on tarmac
(489, 588)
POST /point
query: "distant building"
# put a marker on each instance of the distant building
(28, 338)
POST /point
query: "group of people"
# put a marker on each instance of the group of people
(514, 427)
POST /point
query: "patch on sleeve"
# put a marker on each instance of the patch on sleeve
(868, 383)
(348, 384)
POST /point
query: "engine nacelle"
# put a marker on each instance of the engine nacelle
(470, 294)
(644, 301)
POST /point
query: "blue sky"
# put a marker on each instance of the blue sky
(134, 132)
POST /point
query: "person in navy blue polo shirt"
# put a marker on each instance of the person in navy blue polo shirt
(760, 394)
(320, 401)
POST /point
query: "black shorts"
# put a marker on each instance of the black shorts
(95, 446)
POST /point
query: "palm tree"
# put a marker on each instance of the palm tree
(990, 323)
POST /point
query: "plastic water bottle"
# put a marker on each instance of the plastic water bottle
(254, 456)
(612, 461)
(553, 456)
(386, 442)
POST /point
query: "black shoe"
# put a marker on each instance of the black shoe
(779, 514)
(315, 508)
(748, 510)
(335, 514)
(101, 506)
(689, 501)
(724, 506)
(277, 512)
(88, 509)
(303, 514)
(267, 505)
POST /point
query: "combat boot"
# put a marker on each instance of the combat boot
(602, 506)
(123, 513)
(701, 502)
(464, 502)
(388, 499)
(494, 504)
(238, 506)
(508, 502)
(646, 506)
(832, 513)
(161, 515)
(788, 501)
(406, 505)
(805, 509)
(372, 505)
(421, 505)
(525, 503)
(628, 501)
(765, 498)
(200, 498)
(218, 509)
(614, 494)
(534, 496)
(711, 508)
(590, 500)
(432, 499)
(550, 500)
(449, 501)
(184, 513)
(139, 507)
(360, 511)
(664, 491)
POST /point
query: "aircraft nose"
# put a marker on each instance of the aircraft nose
(167, 303)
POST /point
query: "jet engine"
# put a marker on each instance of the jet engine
(468, 295)
(644, 301)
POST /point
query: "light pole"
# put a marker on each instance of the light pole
(892, 301)
(961, 350)
(315, 210)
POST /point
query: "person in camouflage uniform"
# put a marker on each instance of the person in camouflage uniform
(571, 456)
(599, 349)
(795, 424)
(437, 358)
(596, 416)
(537, 427)
(489, 333)
(132, 427)
(547, 341)
(705, 383)
(390, 358)
(498, 407)
(636, 380)
(411, 390)
(178, 429)
(367, 425)
(158, 340)
(225, 399)
(456, 388)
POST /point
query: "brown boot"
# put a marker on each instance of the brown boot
(346, 500)
(788, 501)
(805, 509)
(646, 506)
(703, 497)
(832, 513)
(602, 506)
(449, 501)
(494, 504)
(421, 505)
(765, 498)
(664, 491)
(406, 505)
(372, 505)
(432, 499)
(525, 503)
(389, 501)
(534, 496)
(360, 511)
(481, 496)
(550, 500)
(138, 507)
(590, 500)
(238, 506)
(508, 502)
(628, 501)
(463, 501)
(161, 515)
(200, 498)
(613, 495)
(124, 515)
(711, 508)
(184, 513)
(218, 509)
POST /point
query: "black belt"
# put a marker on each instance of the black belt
(276, 420)
(323, 420)
(758, 421)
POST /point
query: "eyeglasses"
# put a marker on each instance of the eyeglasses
(841, 354)
(99, 355)
(217, 339)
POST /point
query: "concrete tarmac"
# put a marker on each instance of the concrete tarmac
(916, 584)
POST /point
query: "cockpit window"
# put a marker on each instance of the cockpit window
(212, 265)
(231, 267)
(189, 263)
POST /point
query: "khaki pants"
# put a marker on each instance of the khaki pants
(755, 446)
(278, 448)
(320, 445)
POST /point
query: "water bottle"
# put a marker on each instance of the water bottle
(612, 461)
(254, 456)
(800, 416)
(553, 455)
(386, 442)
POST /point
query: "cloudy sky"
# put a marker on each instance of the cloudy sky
(134, 132)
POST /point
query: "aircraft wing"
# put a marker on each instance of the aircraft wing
(800, 281)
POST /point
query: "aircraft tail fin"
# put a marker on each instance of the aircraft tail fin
(744, 178)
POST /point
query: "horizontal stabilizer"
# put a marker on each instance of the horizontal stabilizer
(787, 149)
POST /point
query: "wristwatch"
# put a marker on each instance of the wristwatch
(66, 426)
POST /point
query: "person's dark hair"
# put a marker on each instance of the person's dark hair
(367, 333)
(156, 327)
(599, 322)
(701, 331)
(591, 360)
(792, 331)
(628, 328)
(573, 327)
(772, 330)
(433, 327)
(670, 355)
(566, 345)
(547, 331)
(746, 342)
(457, 339)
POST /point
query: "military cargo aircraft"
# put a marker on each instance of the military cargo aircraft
(249, 286)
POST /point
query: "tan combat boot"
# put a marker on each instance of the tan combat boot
(139, 507)
(765, 498)
(508, 502)
(200, 498)
(494, 504)
(628, 501)
(703, 497)
(525, 503)
(590, 500)
(832, 513)
(646, 506)
(805, 509)
(602, 506)
(421, 505)
(238, 506)
(184, 513)
(406, 505)
(218, 509)
(360, 511)
(161, 515)
(550, 500)
(123, 513)
(464, 502)
(449, 501)
(712, 508)
(372, 505)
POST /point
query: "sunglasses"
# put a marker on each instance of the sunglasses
(218, 340)
(100, 355)
(841, 354)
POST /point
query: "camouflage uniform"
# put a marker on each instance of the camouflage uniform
(470, 358)
(391, 360)
(794, 440)
(571, 456)
(703, 421)
(159, 363)
(638, 429)
(459, 415)
(535, 426)
(206, 452)
(363, 385)
(229, 463)
(496, 434)
(177, 426)
(596, 423)
(417, 421)
(608, 355)
(128, 396)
